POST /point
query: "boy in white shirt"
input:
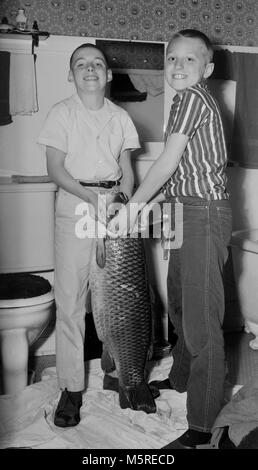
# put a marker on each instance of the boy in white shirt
(88, 141)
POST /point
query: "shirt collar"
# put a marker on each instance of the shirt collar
(202, 85)
(110, 107)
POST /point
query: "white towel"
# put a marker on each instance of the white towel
(150, 81)
(23, 87)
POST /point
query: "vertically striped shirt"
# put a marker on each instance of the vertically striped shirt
(201, 170)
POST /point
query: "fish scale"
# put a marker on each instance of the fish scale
(122, 314)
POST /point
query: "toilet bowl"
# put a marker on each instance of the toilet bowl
(244, 244)
(22, 321)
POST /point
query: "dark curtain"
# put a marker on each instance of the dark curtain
(243, 68)
(5, 117)
(122, 89)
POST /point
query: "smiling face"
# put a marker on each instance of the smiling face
(89, 70)
(187, 62)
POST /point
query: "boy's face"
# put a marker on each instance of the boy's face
(187, 63)
(89, 70)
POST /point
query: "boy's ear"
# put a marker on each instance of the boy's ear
(208, 70)
(70, 76)
(109, 75)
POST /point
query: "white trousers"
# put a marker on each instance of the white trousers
(72, 268)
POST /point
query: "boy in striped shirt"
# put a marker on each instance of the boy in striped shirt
(191, 170)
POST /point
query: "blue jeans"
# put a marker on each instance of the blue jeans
(196, 308)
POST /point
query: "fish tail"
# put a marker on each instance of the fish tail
(138, 398)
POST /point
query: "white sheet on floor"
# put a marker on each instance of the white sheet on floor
(240, 415)
(27, 417)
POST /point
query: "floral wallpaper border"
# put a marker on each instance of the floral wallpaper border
(231, 22)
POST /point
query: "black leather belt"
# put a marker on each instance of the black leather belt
(101, 184)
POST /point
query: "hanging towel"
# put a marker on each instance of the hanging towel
(5, 117)
(150, 81)
(23, 87)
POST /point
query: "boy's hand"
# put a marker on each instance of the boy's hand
(124, 222)
(97, 208)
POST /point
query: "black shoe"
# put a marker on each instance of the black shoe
(157, 385)
(68, 409)
(191, 439)
(112, 383)
(225, 442)
(161, 384)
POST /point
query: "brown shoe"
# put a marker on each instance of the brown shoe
(68, 409)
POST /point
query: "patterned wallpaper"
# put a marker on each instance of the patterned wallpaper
(232, 22)
(133, 55)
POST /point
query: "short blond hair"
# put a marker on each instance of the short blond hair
(195, 34)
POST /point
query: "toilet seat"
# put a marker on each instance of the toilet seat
(19, 289)
(16, 303)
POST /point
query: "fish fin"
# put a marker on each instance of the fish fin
(100, 252)
(107, 361)
(137, 398)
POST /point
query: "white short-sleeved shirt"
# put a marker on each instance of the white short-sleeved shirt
(92, 141)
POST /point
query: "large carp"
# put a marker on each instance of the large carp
(121, 308)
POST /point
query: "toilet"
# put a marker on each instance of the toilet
(22, 321)
(244, 245)
(26, 256)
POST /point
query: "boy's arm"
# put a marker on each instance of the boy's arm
(161, 170)
(63, 179)
(127, 180)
